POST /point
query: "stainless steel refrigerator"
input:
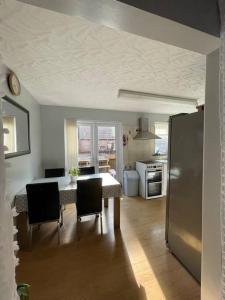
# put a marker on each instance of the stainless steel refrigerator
(184, 194)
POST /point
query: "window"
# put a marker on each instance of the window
(97, 145)
(106, 140)
(161, 145)
(85, 145)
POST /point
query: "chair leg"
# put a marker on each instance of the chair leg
(101, 223)
(58, 227)
(77, 230)
(30, 236)
(61, 221)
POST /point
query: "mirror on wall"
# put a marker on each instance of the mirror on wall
(16, 128)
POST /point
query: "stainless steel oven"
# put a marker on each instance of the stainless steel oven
(154, 179)
(151, 179)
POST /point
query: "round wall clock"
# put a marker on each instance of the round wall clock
(14, 84)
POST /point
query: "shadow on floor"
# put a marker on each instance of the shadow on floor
(131, 264)
(95, 267)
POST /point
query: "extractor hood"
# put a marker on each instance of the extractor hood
(143, 132)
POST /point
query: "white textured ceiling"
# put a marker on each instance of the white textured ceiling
(70, 61)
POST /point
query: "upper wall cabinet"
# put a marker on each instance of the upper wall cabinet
(16, 128)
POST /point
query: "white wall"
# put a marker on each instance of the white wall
(52, 119)
(211, 246)
(22, 169)
(121, 17)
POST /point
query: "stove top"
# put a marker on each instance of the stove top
(147, 162)
(148, 165)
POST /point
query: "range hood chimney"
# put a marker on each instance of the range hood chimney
(143, 132)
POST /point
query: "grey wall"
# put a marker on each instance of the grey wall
(211, 246)
(52, 119)
(199, 14)
(22, 169)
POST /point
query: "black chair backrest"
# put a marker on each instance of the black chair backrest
(59, 172)
(87, 170)
(43, 202)
(89, 196)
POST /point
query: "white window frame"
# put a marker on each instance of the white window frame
(166, 124)
(119, 143)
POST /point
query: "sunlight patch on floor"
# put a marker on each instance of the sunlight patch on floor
(143, 271)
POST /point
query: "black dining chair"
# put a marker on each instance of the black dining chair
(58, 172)
(87, 170)
(43, 205)
(89, 198)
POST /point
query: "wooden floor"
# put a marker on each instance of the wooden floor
(131, 264)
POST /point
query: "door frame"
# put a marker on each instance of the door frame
(119, 143)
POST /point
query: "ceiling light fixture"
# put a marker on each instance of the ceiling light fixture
(135, 95)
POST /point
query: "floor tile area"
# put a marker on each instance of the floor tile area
(130, 264)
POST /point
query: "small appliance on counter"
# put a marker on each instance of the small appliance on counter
(151, 179)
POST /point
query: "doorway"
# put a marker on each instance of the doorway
(100, 145)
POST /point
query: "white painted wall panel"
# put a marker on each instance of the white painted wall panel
(211, 245)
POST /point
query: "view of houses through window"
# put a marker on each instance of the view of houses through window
(102, 137)
(85, 145)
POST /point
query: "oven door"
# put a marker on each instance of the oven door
(154, 189)
(154, 176)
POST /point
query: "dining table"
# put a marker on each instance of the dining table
(111, 188)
